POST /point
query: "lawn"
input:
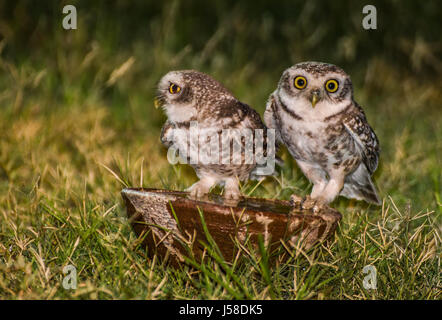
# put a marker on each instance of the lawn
(78, 124)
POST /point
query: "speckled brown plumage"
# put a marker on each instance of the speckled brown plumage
(204, 100)
(330, 137)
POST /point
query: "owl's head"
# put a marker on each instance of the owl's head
(315, 88)
(184, 94)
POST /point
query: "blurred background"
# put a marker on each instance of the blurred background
(77, 124)
(83, 96)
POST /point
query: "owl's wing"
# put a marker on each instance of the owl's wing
(241, 115)
(270, 117)
(166, 134)
(366, 140)
(254, 118)
(247, 118)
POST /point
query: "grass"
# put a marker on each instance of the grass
(83, 103)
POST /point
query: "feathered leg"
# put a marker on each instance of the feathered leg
(201, 187)
(315, 175)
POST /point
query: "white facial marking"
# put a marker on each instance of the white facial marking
(179, 113)
(175, 112)
(301, 104)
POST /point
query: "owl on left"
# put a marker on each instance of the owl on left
(190, 97)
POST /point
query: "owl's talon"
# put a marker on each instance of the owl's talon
(313, 204)
(232, 198)
(231, 189)
(307, 203)
(196, 193)
(232, 195)
(199, 189)
(232, 192)
(295, 200)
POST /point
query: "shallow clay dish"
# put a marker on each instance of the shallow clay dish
(166, 219)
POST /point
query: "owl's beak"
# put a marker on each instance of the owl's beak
(315, 97)
(156, 103)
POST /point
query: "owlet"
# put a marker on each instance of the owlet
(325, 130)
(211, 129)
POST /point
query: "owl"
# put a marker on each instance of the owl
(204, 118)
(325, 130)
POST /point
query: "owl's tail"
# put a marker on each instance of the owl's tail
(359, 186)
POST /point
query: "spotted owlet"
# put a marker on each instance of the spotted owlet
(325, 130)
(213, 131)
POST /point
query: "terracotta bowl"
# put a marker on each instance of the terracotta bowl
(169, 222)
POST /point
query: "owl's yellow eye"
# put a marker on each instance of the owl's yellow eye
(331, 85)
(300, 82)
(174, 88)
